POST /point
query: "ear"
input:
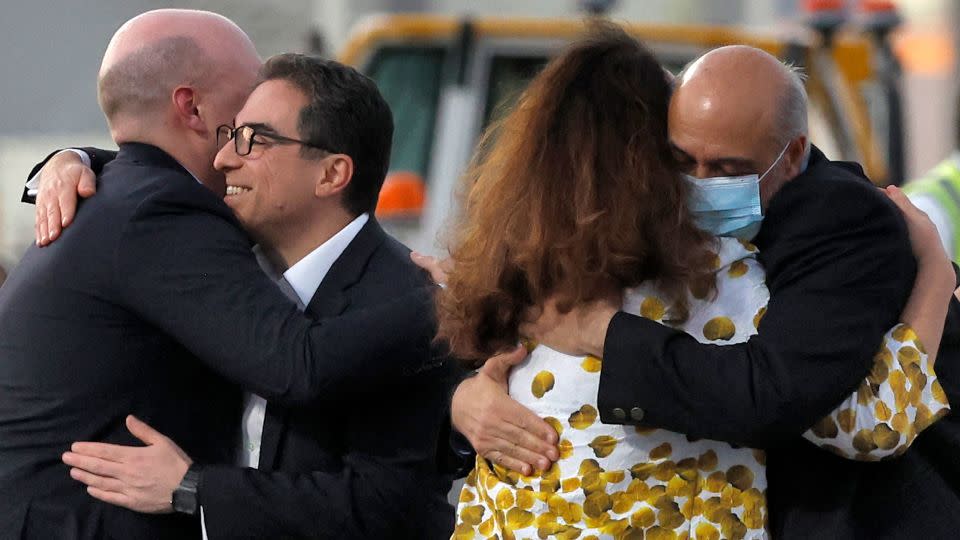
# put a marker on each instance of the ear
(186, 100)
(335, 176)
(794, 156)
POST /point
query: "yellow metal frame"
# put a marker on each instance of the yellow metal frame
(852, 53)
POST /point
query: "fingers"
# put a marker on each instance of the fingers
(54, 221)
(87, 185)
(109, 452)
(96, 481)
(436, 268)
(903, 202)
(67, 199)
(40, 224)
(511, 463)
(498, 367)
(513, 430)
(139, 429)
(521, 445)
(111, 497)
(93, 465)
(62, 180)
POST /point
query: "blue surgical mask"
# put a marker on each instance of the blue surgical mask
(729, 205)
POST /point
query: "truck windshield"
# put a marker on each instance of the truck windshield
(409, 79)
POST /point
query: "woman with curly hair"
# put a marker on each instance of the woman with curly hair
(574, 195)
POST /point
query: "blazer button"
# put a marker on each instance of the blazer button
(619, 413)
(636, 414)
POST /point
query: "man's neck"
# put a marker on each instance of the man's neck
(196, 163)
(295, 245)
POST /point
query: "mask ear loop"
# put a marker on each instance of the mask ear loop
(774, 164)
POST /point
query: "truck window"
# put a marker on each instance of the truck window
(409, 77)
(509, 76)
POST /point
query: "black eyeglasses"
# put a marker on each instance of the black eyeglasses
(243, 138)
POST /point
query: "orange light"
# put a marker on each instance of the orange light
(402, 196)
(877, 6)
(927, 53)
(816, 6)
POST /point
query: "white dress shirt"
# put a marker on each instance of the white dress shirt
(304, 278)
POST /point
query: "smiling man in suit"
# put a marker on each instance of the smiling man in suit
(304, 166)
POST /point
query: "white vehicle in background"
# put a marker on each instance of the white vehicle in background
(446, 79)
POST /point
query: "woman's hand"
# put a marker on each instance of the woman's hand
(936, 280)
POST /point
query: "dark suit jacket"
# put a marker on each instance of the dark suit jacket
(839, 269)
(362, 467)
(153, 275)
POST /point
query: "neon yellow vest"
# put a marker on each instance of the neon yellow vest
(942, 183)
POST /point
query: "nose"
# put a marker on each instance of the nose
(227, 158)
(700, 171)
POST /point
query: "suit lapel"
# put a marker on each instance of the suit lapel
(333, 295)
(331, 298)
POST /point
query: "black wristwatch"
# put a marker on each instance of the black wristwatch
(186, 499)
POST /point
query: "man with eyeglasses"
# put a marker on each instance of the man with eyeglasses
(155, 283)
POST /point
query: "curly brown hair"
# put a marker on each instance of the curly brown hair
(574, 192)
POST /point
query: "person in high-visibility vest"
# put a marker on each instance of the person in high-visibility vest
(938, 194)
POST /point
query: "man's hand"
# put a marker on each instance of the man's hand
(579, 332)
(141, 478)
(63, 179)
(499, 428)
(437, 268)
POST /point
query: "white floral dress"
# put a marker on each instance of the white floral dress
(622, 482)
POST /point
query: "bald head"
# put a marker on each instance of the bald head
(733, 112)
(739, 85)
(157, 51)
(169, 77)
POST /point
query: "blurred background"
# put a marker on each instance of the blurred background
(882, 76)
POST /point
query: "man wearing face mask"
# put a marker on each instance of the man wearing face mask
(839, 269)
(730, 205)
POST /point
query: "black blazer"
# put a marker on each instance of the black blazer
(839, 269)
(154, 275)
(360, 467)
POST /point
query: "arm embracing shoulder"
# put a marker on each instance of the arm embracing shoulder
(191, 273)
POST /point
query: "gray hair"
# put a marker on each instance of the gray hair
(792, 113)
(141, 83)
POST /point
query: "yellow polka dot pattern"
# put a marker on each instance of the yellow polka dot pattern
(900, 398)
(624, 482)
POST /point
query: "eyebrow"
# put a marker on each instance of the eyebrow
(261, 126)
(717, 162)
(681, 151)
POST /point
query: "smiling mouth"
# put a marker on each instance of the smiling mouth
(237, 190)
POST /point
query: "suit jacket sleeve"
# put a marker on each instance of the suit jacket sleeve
(839, 272)
(190, 272)
(364, 500)
(98, 158)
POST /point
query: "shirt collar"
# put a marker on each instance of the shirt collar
(307, 273)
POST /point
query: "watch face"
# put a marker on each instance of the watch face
(184, 501)
(185, 496)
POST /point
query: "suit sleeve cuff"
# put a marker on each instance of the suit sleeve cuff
(627, 384)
